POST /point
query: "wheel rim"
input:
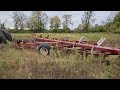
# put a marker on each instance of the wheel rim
(43, 51)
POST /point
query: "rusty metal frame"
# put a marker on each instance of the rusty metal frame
(58, 43)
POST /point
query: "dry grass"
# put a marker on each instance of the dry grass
(29, 64)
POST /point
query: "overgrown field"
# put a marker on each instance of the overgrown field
(29, 64)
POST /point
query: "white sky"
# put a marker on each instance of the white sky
(76, 16)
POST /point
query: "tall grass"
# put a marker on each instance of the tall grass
(29, 64)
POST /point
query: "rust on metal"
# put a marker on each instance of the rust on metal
(61, 43)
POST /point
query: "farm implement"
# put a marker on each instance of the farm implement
(44, 45)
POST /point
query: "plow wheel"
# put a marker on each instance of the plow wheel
(44, 49)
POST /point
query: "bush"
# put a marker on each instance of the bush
(54, 31)
(117, 31)
(99, 29)
(111, 29)
(28, 31)
(20, 31)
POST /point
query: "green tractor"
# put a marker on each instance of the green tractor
(4, 36)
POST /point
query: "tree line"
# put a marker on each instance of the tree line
(38, 21)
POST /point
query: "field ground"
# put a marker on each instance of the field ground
(29, 64)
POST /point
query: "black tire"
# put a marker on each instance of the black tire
(44, 48)
(2, 38)
(7, 35)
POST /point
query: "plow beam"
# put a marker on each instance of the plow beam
(107, 50)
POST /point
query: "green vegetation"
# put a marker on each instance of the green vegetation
(39, 20)
(29, 64)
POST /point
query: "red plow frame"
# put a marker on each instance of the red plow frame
(94, 48)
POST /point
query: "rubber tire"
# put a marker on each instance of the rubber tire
(2, 38)
(45, 45)
(7, 35)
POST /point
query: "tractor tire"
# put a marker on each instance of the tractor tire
(7, 35)
(44, 48)
(2, 38)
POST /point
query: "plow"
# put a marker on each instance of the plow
(44, 45)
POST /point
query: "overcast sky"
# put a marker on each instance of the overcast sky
(76, 16)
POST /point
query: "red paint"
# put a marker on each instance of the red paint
(106, 50)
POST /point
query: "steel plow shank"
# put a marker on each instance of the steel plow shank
(106, 50)
(86, 47)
